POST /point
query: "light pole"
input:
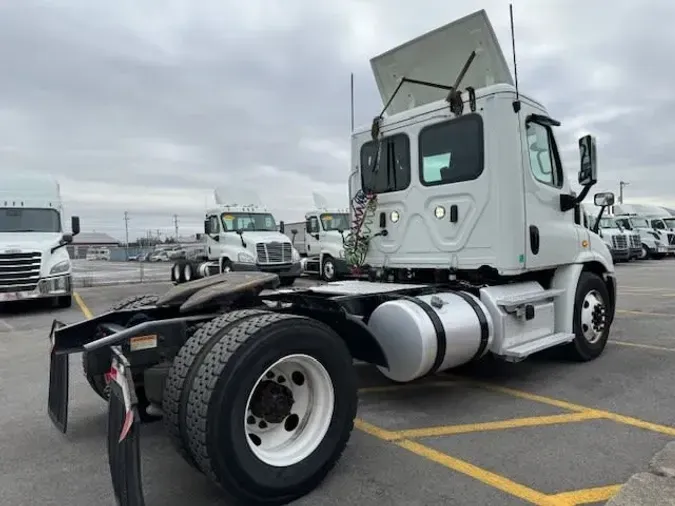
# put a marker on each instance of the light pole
(621, 185)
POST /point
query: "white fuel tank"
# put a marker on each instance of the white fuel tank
(431, 333)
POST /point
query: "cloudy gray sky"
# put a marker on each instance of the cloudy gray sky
(146, 106)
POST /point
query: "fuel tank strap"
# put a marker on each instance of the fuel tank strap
(441, 338)
(482, 321)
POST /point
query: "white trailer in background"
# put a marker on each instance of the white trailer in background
(241, 235)
(34, 263)
(320, 240)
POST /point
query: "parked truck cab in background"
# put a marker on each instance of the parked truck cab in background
(34, 262)
(655, 244)
(242, 238)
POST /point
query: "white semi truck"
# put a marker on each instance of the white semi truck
(320, 240)
(241, 237)
(476, 246)
(655, 243)
(624, 244)
(34, 262)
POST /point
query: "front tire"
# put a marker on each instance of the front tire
(591, 318)
(328, 272)
(272, 407)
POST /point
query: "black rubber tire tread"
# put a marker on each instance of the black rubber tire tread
(204, 387)
(580, 350)
(98, 383)
(182, 372)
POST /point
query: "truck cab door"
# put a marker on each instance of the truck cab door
(212, 231)
(312, 236)
(552, 236)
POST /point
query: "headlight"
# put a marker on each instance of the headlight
(296, 255)
(246, 258)
(61, 267)
(439, 212)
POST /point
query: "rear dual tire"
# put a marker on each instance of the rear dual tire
(266, 406)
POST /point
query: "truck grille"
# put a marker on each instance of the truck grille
(19, 271)
(619, 242)
(274, 252)
(635, 241)
(671, 238)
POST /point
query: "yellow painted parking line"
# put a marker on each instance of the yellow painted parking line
(645, 346)
(587, 496)
(483, 475)
(626, 420)
(642, 313)
(644, 288)
(513, 423)
(83, 307)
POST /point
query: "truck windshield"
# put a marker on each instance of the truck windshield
(670, 222)
(639, 223)
(23, 219)
(335, 221)
(608, 223)
(248, 222)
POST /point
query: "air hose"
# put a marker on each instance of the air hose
(356, 243)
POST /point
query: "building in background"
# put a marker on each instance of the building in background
(85, 240)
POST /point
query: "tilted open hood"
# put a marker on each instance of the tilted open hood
(438, 56)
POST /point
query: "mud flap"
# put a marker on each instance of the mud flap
(124, 433)
(57, 401)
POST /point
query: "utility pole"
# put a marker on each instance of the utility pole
(126, 232)
(621, 185)
(175, 224)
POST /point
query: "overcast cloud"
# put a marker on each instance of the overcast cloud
(147, 106)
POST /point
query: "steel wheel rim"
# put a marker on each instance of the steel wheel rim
(283, 436)
(187, 273)
(328, 269)
(176, 272)
(593, 317)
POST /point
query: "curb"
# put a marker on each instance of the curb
(656, 487)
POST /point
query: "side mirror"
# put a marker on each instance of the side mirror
(588, 172)
(282, 227)
(603, 199)
(317, 236)
(294, 231)
(74, 226)
(67, 238)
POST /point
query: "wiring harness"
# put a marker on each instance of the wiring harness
(356, 243)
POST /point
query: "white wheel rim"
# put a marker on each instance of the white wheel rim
(176, 272)
(289, 432)
(328, 269)
(187, 273)
(593, 317)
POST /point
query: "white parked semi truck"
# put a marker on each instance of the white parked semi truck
(463, 219)
(623, 244)
(655, 243)
(34, 262)
(241, 237)
(320, 240)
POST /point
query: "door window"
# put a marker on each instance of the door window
(313, 225)
(544, 159)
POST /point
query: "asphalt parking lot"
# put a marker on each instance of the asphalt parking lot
(541, 431)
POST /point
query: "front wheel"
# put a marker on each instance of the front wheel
(591, 318)
(328, 269)
(272, 407)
